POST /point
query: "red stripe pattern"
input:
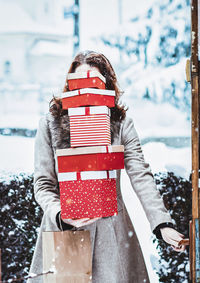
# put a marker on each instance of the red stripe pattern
(89, 130)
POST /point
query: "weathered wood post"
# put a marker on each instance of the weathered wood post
(193, 77)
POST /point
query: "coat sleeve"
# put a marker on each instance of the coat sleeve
(45, 178)
(141, 177)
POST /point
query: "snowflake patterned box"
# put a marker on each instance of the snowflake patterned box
(92, 158)
(87, 79)
(88, 194)
(88, 97)
(89, 126)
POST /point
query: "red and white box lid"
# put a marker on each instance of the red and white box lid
(88, 91)
(87, 96)
(89, 110)
(90, 150)
(86, 75)
(87, 175)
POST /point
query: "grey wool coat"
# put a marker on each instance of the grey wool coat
(116, 257)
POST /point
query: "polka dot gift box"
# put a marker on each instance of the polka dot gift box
(88, 194)
(87, 180)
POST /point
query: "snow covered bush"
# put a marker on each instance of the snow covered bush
(19, 220)
(177, 196)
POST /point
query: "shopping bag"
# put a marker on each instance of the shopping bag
(68, 255)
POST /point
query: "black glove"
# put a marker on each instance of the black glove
(157, 232)
(61, 224)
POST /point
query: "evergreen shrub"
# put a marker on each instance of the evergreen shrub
(177, 196)
(19, 221)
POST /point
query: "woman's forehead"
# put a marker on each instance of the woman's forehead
(85, 68)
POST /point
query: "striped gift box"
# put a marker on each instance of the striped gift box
(89, 126)
(89, 79)
(88, 194)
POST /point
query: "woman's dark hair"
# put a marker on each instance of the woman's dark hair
(99, 61)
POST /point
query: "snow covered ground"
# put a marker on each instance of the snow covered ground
(157, 120)
(16, 154)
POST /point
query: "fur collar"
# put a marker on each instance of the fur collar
(60, 131)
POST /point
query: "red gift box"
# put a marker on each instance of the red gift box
(93, 158)
(88, 97)
(88, 194)
(89, 126)
(86, 79)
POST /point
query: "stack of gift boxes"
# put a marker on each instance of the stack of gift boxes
(87, 170)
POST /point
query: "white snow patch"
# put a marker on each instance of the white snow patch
(167, 159)
(16, 155)
(157, 120)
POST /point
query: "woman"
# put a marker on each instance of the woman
(117, 256)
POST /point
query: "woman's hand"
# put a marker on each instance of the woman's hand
(172, 237)
(80, 222)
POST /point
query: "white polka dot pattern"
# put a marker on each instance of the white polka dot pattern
(88, 198)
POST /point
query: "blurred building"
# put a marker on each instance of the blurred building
(36, 41)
